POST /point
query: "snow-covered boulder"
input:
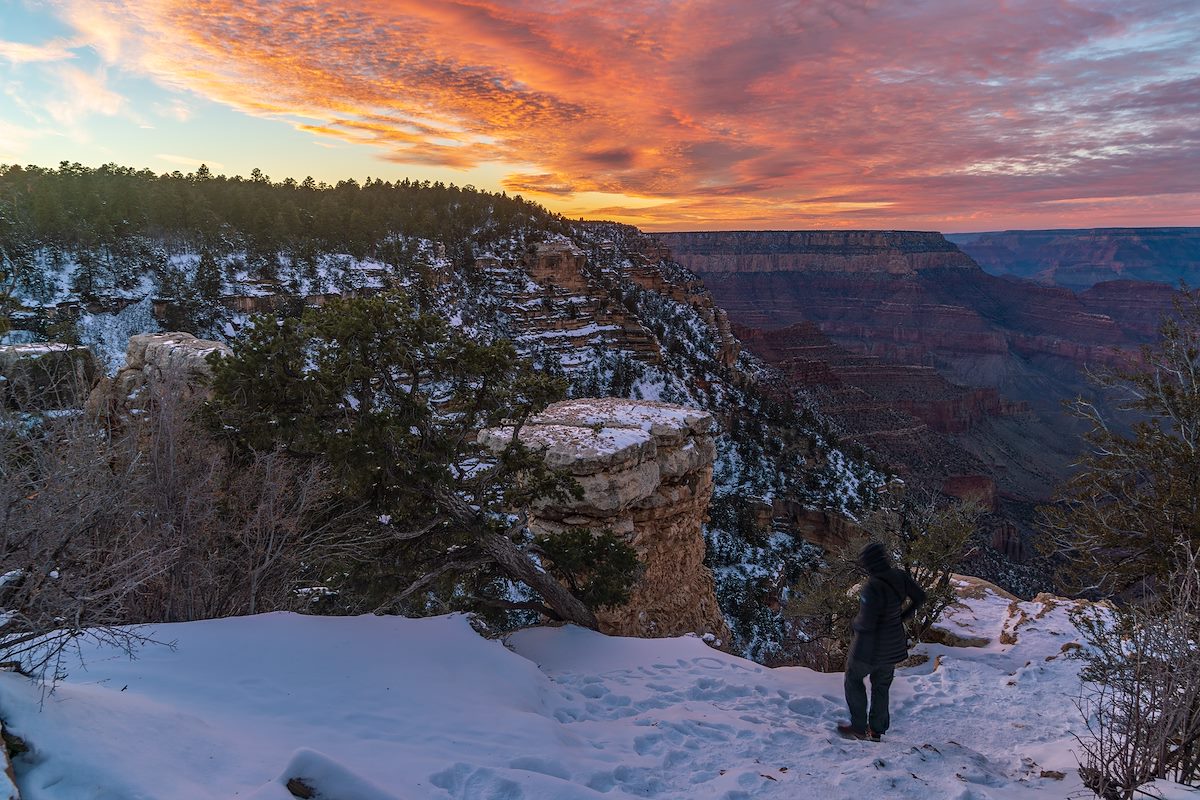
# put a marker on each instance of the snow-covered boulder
(45, 375)
(646, 472)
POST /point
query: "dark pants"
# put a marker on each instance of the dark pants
(856, 695)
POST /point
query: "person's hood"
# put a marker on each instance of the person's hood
(874, 559)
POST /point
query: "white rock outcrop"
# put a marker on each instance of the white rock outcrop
(646, 472)
(156, 362)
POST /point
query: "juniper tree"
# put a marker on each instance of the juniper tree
(394, 399)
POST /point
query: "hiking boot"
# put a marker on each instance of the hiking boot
(872, 736)
(848, 731)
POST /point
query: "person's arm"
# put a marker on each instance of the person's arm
(916, 596)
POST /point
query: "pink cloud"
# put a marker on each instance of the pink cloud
(933, 114)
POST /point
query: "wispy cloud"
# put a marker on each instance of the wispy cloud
(104, 25)
(174, 109)
(24, 53)
(759, 112)
(81, 94)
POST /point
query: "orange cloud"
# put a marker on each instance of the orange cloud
(948, 113)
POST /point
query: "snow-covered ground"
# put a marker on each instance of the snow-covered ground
(385, 708)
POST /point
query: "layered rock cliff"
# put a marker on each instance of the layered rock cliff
(1081, 258)
(917, 349)
(889, 252)
(156, 364)
(646, 471)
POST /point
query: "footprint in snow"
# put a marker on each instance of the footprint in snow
(468, 782)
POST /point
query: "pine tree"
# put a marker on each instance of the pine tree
(208, 281)
(394, 399)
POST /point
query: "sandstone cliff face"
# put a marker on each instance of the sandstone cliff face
(886, 252)
(558, 262)
(908, 415)
(564, 307)
(1137, 307)
(155, 363)
(646, 473)
(865, 382)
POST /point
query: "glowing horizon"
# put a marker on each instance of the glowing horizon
(951, 115)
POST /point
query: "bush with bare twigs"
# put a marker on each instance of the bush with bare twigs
(104, 529)
(1116, 522)
(1141, 690)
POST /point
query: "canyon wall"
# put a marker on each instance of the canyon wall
(1082, 258)
(889, 252)
(923, 357)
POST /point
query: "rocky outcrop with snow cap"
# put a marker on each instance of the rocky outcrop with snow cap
(174, 363)
(646, 472)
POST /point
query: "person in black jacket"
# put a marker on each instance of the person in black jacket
(888, 598)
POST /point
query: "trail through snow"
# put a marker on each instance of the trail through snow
(376, 708)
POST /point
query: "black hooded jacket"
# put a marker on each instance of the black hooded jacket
(879, 636)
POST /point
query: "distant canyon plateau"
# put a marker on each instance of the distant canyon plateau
(949, 357)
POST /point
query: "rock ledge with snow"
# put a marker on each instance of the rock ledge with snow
(646, 472)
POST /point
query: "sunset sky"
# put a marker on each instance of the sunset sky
(952, 115)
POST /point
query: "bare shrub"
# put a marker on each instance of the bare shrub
(72, 556)
(926, 537)
(245, 532)
(931, 538)
(151, 521)
(1141, 691)
(822, 603)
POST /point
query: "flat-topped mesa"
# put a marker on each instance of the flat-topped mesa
(1082, 258)
(646, 472)
(888, 252)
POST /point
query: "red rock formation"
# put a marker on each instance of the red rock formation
(822, 528)
(972, 488)
(558, 262)
(908, 341)
(808, 356)
(1006, 538)
(1136, 306)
